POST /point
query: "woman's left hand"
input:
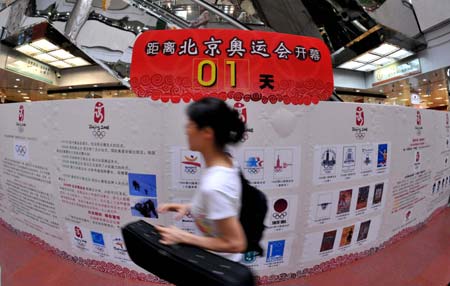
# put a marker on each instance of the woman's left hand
(171, 234)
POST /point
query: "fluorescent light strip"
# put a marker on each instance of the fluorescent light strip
(61, 54)
(44, 45)
(367, 68)
(367, 58)
(46, 58)
(28, 50)
(78, 62)
(60, 64)
(384, 50)
(401, 54)
(350, 65)
(383, 61)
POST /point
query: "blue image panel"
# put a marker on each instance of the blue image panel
(143, 185)
(97, 238)
(275, 251)
(382, 155)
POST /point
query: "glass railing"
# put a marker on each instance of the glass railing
(190, 11)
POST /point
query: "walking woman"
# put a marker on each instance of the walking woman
(216, 204)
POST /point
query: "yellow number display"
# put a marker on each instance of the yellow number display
(232, 65)
(213, 78)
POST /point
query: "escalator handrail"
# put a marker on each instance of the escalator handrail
(222, 15)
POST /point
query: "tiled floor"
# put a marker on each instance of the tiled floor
(421, 259)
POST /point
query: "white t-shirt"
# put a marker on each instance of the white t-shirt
(218, 197)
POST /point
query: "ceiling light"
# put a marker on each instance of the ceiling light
(95, 85)
(70, 87)
(64, 94)
(17, 79)
(27, 100)
(25, 97)
(380, 90)
(77, 62)
(440, 84)
(400, 93)
(393, 98)
(41, 92)
(385, 49)
(366, 58)
(61, 54)
(383, 61)
(438, 98)
(424, 79)
(404, 99)
(19, 91)
(419, 89)
(60, 64)
(400, 54)
(367, 68)
(401, 85)
(28, 50)
(15, 86)
(46, 58)
(357, 90)
(44, 45)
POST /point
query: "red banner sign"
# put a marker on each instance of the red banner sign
(244, 65)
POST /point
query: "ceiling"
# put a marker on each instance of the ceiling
(15, 87)
(431, 87)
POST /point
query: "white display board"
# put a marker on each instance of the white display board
(341, 179)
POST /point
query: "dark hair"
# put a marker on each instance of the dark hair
(215, 113)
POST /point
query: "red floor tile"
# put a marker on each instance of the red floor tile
(421, 259)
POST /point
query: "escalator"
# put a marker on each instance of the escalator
(106, 30)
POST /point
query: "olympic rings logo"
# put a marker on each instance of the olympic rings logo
(253, 170)
(21, 150)
(360, 135)
(99, 134)
(279, 215)
(190, 170)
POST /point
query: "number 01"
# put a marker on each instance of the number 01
(213, 78)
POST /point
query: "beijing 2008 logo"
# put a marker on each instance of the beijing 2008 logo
(360, 131)
(98, 129)
(21, 119)
(99, 113)
(21, 113)
(242, 111)
(418, 126)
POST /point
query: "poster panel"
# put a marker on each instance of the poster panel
(73, 172)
